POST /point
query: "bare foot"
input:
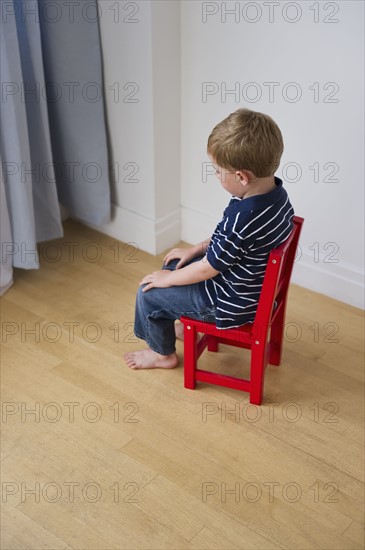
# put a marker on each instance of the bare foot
(179, 330)
(149, 359)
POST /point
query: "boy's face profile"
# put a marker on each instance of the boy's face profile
(234, 182)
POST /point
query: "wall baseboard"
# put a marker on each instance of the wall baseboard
(336, 280)
(153, 236)
(63, 213)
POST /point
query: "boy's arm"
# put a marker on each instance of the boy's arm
(192, 273)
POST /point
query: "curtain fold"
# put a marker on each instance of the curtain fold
(73, 72)
(6, 241)
(52, 128)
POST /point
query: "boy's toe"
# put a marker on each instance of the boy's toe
(129, 359)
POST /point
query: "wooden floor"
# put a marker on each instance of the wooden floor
(96, 456)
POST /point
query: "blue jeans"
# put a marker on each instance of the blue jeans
(158, 308)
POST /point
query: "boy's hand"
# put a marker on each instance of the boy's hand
(157, 279)
(188, 275)
(185, 255)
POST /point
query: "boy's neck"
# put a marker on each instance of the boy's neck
(259, 186)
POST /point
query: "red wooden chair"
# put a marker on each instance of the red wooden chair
(264, 337)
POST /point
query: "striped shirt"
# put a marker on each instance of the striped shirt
(239, 249)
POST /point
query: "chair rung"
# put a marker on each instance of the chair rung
(222, 380)
(238, 343)
(203, 342)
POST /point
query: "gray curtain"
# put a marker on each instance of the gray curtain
(53, 133)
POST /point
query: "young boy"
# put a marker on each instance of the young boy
(223, 285)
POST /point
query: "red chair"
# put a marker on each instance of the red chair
(264, 337)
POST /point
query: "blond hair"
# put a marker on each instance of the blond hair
(247, 140)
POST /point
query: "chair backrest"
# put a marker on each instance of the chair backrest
(274, 291)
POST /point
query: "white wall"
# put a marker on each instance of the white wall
(230, 51)
(170, 123)
(140, 43)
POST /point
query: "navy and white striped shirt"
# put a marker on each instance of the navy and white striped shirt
(239, 249)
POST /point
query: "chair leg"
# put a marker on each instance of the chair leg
(257, 376)
(190, 356)
(276, 339)
(213, 343)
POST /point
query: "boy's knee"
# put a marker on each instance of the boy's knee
(140, 294)
(147, 298)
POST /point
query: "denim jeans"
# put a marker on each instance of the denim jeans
(158, 308)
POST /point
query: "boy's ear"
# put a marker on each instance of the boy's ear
(243, 177)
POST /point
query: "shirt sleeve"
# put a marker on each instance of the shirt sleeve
(227, 246)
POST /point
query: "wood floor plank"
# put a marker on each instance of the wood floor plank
(189, 515)
(29, 533)
(213, 538)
